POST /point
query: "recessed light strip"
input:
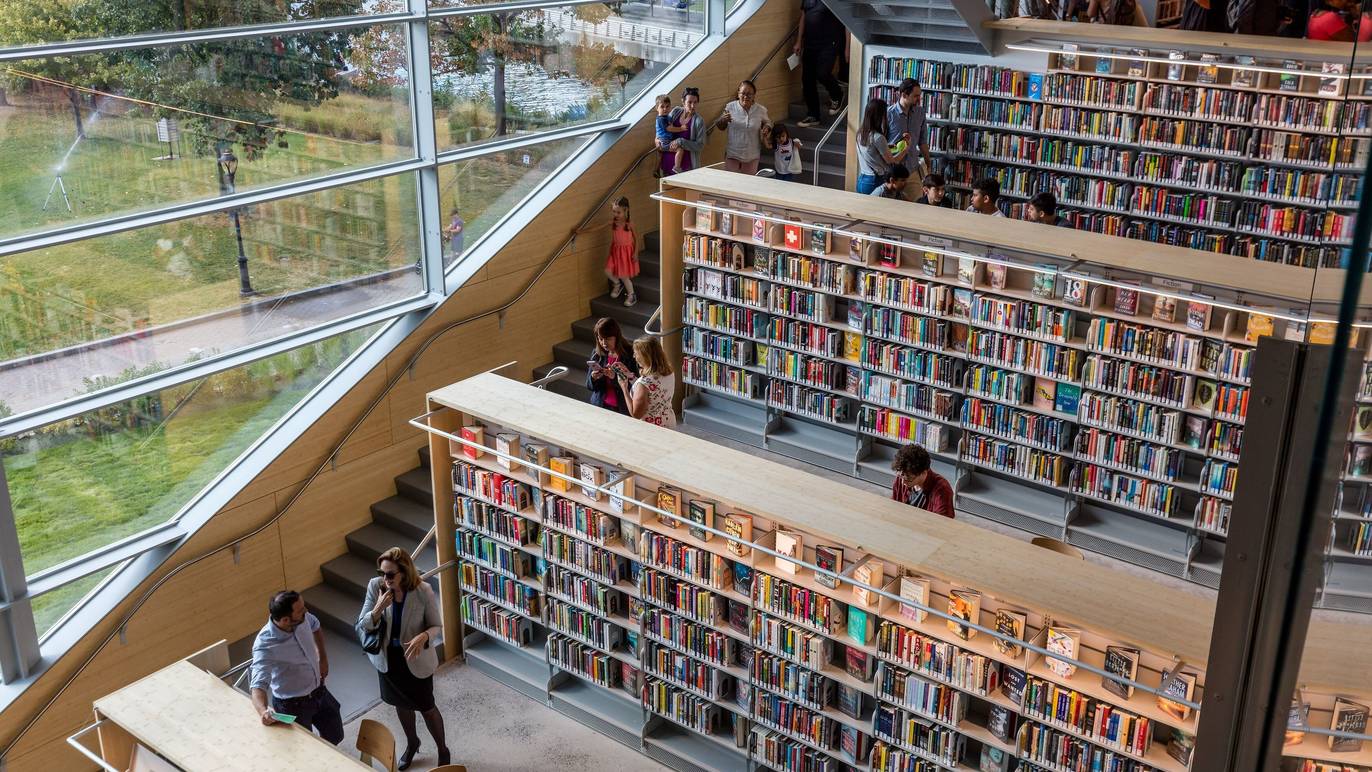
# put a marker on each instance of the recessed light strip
(1043, 48)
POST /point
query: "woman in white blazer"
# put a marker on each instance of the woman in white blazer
(403, 606)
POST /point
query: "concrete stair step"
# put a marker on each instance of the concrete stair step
(371, 540)
(337, 609)
(424, 456)
(417, 485)
(572, 385)
(573, 353)
(627, 317)
(404, 516)
(349, 573)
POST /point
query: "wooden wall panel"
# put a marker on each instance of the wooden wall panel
(220, 599)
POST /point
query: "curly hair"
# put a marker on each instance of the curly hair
(911, 459)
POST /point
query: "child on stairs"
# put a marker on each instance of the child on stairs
(621, 266)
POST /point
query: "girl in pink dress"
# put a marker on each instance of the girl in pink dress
(622, 265)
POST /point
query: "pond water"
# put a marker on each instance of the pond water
(528, 87)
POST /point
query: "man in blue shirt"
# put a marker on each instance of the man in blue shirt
(906, 116)
(289, 665)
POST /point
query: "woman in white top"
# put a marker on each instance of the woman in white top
(748, 129)
(874, 155)
(650, 397)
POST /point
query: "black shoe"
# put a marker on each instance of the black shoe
(444, 757)
(411, 748)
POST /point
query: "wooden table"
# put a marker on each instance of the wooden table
(201, 724)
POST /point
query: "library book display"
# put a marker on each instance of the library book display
(1068, 387)
(1235, 154)
(722, 612)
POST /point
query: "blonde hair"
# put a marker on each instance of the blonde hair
(652, 360)
(402, 559)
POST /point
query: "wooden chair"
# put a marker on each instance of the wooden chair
(376, 743)
(449, 768)
(1062, 548)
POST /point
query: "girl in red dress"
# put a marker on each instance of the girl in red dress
(622, 264)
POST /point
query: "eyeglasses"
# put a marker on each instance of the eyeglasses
(387, 574)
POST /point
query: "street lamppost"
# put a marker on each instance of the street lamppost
(623, 76)
(228, 169)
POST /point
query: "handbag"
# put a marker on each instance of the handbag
(373, 641)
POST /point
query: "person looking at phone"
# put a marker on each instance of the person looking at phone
(612, 359)
(289, 665)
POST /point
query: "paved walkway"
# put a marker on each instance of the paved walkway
(37, 381)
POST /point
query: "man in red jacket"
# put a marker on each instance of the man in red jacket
(918, 485)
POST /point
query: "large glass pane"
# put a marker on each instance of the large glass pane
(109, 133)
(476, 193)
(32, 22)
(514, 72)
(79, 316)
(83, 483)
(50, 607)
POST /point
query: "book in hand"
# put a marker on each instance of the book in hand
(1297, 719)
(1349, 717)
(965, 605)
(702, 512)
(915, 588)
(870, 572)
(1123, 662)
(508, 444)
(1066, 642)
(791, 544)
(1197, 315)
(592, 477)
(1001, 723)
(668, 499)
(829, 558)
(475, 434)
(1010, 623)
(1180, 685)
(563, 465)
(739, 525)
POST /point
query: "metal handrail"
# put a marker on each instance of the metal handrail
(74, 741)
(552, 375)
(424, 542)
(648, 326)
(838, 119)
(329, 461)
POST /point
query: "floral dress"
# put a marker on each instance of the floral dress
(660, 390)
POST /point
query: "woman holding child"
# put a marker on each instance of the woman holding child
(688, 140)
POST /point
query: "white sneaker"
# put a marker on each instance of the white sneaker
(630, 300)
(835, 107)
(808, 122)
(617, 290)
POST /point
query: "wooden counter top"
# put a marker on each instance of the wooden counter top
(1287, 283)
(1111, 603)
(201, 724)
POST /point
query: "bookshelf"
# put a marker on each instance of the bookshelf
(765, 665)
(1090, 401)
(1257, 163)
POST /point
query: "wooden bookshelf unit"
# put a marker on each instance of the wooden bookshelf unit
(707, 653)
(1250, 162)
(1099, 400)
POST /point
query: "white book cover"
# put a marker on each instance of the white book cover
(792, 544)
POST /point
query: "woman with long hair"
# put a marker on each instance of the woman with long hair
(405, 609)
(611, 357)
(874, 156)
(650, 397)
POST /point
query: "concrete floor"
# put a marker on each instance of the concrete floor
(493, 728)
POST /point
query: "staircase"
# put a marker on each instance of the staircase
(573, 353)
(831, 156)
(398, 521)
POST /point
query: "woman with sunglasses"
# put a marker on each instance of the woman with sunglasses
(405, 609)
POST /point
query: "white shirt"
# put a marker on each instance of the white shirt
(745, 131)
(787, 158)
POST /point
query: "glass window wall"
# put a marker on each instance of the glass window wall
(101, 134)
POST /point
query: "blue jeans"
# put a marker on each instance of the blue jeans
(866, 183)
